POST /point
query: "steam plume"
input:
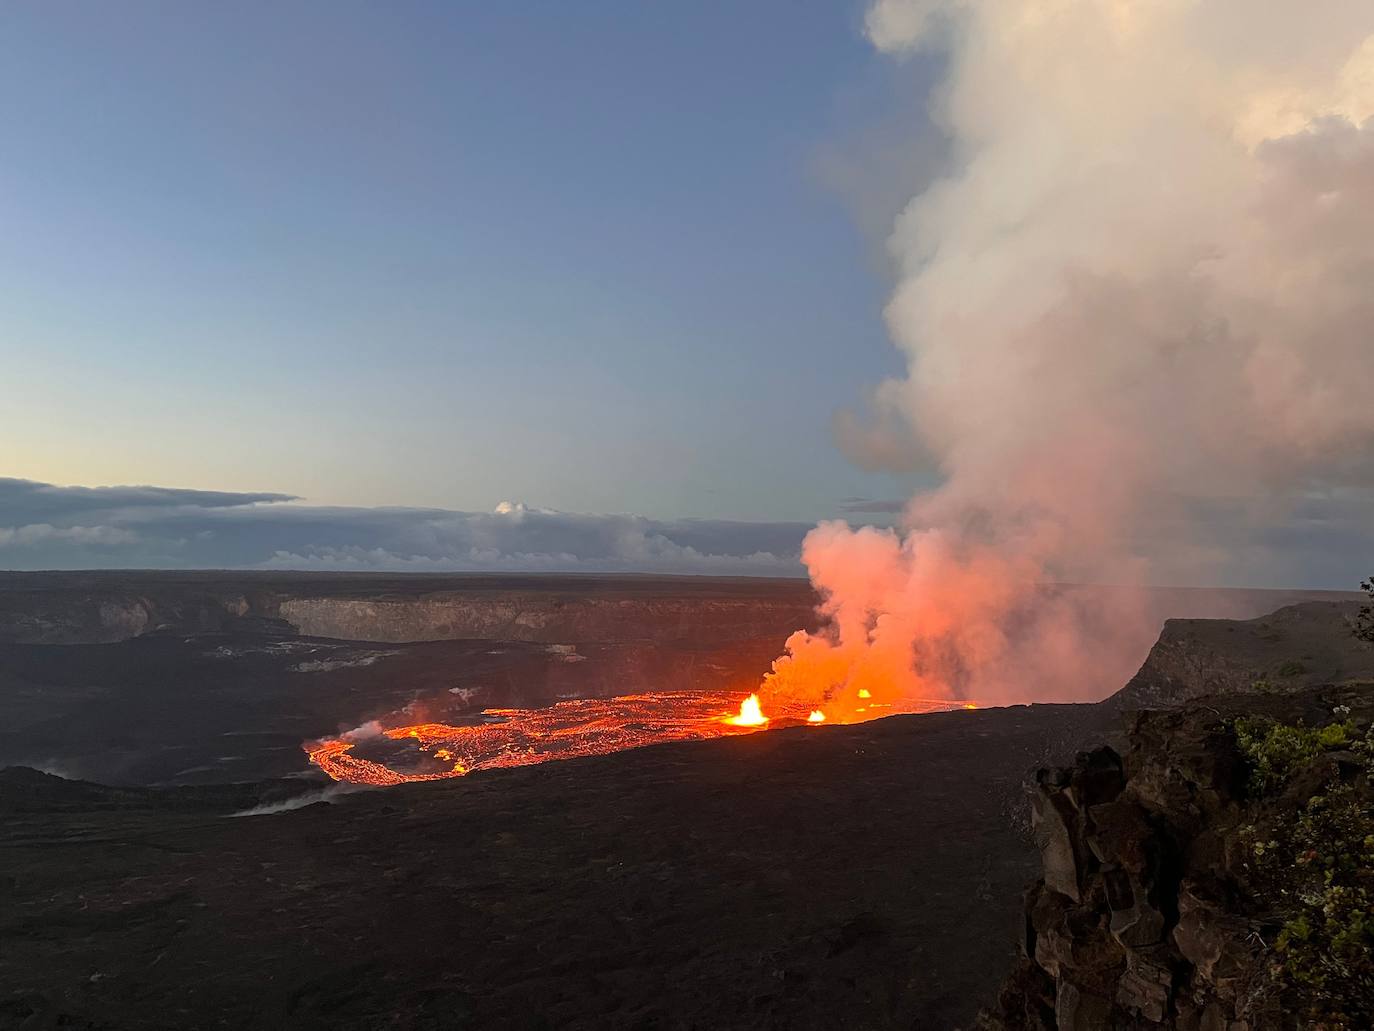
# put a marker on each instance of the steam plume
(1142, 299)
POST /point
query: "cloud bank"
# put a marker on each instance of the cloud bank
(43, 526)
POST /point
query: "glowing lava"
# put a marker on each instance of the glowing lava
(521, 737)
(577, 727)
(750, 714)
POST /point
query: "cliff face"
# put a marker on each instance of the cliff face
(1202, 882)
(538, 618)
(108, 616)
(1294, 647)
(87, 608)
(83, 620)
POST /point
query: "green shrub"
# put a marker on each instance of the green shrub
(1277, 750)
(1292, 669)
(1317, 869)
(1323, 869)
(1364, 622)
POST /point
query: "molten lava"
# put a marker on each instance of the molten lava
(578, 727)
(750, 714)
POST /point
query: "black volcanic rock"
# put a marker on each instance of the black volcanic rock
(1151, 911)
(26, 790)
(837, 877)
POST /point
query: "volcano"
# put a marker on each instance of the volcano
(783, 874)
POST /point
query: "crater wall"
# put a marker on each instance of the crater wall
(102, 608)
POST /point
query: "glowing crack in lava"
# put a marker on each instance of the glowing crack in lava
(582, 726)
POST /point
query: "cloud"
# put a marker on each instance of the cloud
(872, 505)
(29, 502)
(897, 25)
(45, 526)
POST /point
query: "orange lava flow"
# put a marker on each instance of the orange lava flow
(578, 727)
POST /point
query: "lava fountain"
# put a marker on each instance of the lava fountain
(750, 714)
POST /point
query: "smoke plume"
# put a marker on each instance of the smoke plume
(1137, 323)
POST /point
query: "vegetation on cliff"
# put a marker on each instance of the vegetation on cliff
(1218, 877)
(1314, 862)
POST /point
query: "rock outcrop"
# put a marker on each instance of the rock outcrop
(1152, 911)
(1296, 647)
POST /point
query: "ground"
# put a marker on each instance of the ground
(860, 877)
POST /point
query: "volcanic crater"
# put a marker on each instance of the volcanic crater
(191, 868)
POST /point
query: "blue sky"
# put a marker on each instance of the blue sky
(594, 257)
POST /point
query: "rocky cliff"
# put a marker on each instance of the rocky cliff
(1219, 876)
(100, 608)
(28, 618)
(1297, 646)
(541, 617)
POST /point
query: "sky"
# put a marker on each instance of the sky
(661, 287)
(593, 257)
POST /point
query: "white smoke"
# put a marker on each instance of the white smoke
(1143, 296)
(363, 732)
(326, 794)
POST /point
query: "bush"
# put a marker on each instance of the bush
(1364, 622)
(1319, 869)
(1324, 868)
(1277, 750)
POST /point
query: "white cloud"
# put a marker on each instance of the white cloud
(157, 528)
(896, 25)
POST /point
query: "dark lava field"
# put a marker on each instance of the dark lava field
(839, 877)
(861, 876)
